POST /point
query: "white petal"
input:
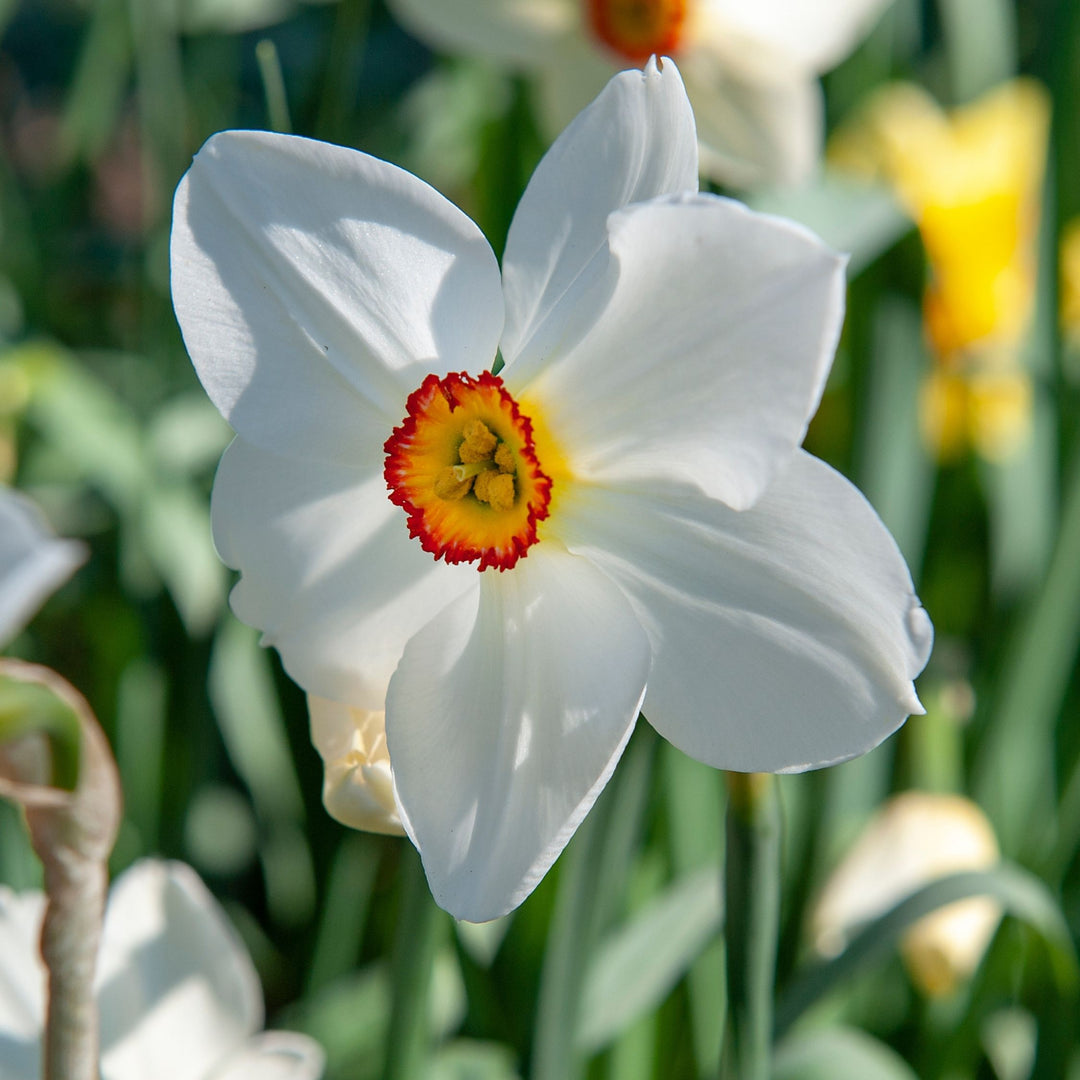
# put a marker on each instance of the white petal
(358, 786)
(785, 636)
(504, 722)
(634, 142)
(708, 356)
(22, 984)
(33, 563)
(177, 989)
(754, 130)
(316, 286)
(520, 32)
(329, 572)
(275, 1055)
(813, 34)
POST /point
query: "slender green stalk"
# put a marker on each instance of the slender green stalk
(420, 926)
(337, 101)
(752, 889)
(277, 104)
(592, 877)
(570, 938)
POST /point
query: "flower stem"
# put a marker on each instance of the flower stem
(69, 946)
(752, 890)
(419, 929)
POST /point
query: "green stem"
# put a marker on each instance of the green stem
(277, 103)
(337, 103)
(570, 939)
(419, 929)
(752, 889)
(592, 877)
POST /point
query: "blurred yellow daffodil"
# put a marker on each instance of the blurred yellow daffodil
(914, 839)
(1069, 260)
(971, 179)
(986, 408)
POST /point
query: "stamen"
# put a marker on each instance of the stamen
(496, 489)
(479, 443)
(463, 466)
(504, 458)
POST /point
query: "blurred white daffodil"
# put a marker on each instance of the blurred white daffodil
(33, 562)
(915, 838)
(501, 562)
(751, 66)
(178, 995)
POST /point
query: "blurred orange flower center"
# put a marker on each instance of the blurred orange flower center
(463, 466)
(636, 29)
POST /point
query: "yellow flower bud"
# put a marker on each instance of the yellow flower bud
(358, 786)
(915, 838)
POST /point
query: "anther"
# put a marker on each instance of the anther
(479, 443)
(496, 489)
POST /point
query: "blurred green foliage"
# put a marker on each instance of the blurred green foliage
(614, 967)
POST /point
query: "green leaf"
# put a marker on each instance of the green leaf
(695, 810)
(30, 708)
(175, 529)
(980, 38)
(636, 967)
(838, 1054)
(895, 472)
(1020, 893)
(83, 419)
(1016, 751)
(245, 702)
(469, 1059)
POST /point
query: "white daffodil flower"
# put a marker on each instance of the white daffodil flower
(33, 563)
(915, 838)
(751, 66)
(178, 995)
(501, 563)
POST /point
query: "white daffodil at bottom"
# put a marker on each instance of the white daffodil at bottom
(33, 562)
(178, 995)
(511, 565)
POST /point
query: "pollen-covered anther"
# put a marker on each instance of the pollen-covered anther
(453, 483)
(496, 489)
(463, 466)
(479, 443)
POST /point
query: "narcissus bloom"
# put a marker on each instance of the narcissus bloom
(915, 838)
(501, 563)
(972, 180)
(178, 995)
(33, 562)
(1069, 260)
(751, 66)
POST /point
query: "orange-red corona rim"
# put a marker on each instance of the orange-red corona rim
(463, 467)
(638, 29)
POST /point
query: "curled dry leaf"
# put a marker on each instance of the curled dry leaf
(72, 833)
